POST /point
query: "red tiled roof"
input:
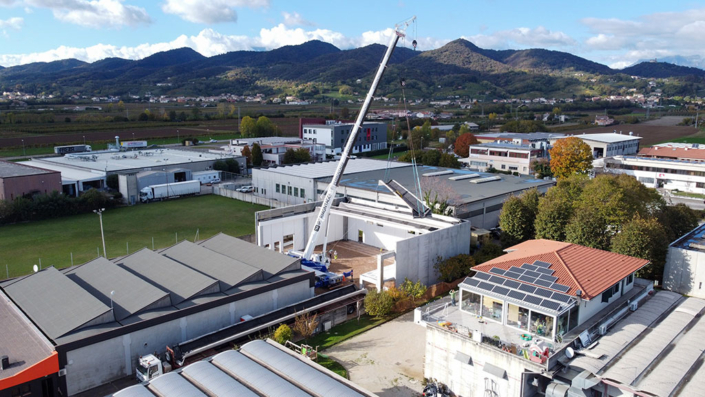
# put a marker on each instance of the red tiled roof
(673, 153)
(581, 268)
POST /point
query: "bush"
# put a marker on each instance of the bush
(453, 268)
(283, 334)
(112, 181)
(413, 290)
(52, 205)
(378, 304)
(488, 252)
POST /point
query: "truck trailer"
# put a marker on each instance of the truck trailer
(169, 190)
(72, 149)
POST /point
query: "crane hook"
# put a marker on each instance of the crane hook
(414, 43)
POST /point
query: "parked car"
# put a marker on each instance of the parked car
(245, 189)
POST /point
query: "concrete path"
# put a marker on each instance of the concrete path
(387, 360)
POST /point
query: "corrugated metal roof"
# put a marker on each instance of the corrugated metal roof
(100, 277)
(256, 376)
(581, 268)
(295, 370)
(134, 391)
(55, 303)
(259, 257)
(174, 385)
(180, 281)
(228, 271)
(214, 381)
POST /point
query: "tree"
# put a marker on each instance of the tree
(378, 304)
(112, 181)
(454, 267)
(305, 324)
(645, 239)
(231, 165)
(554, 213)
(344, 113)
(515, 220)
(247, 153)
(570, 156)
(283, 334)
(220, 165)
(530, 199)
(451, 136)
(438, 195)
(302, 155)
(289, 156)
(462, 144)
(416, 139)
(345, 90)
(588, 228)
(247, 126)
(448, 161)
(677, 220)
(121, 106)
(143, 117)
(256, 155)
(413, 290)
(264, 127)
(431, 157)
(487, 252)
(542, 169)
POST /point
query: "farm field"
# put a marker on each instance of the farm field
(53, 241)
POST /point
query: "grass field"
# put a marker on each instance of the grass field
(386, 156)
(22, 245)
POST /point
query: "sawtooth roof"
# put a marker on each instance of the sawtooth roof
(581, 268)
(271, 262)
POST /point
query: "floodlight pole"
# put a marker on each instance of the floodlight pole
(102, 234)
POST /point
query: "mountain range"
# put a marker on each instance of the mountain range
(459, 67)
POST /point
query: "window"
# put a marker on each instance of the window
(541, 325)
(303, 193)
(470, 302)
(512, 168)
(504, 166)
(616, 288)
(700, 185)
(607, 295)
(517, 316)
(276, 188)
(630, 279)
(289, 191)
(492, 308)
(296, 192)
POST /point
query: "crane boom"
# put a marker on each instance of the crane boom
(333, 185)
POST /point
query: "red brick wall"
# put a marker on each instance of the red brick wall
(13, 187)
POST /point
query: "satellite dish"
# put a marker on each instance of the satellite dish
(36, 268)
(569, 352)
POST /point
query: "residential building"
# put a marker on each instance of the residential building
(333, 134)
(523, 315)
(274, 148)
(686, 176)
(609, 144)
(603, 120)
(18, 180)
(504, 157)
(675, 151)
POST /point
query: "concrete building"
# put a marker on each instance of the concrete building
(73, 181)
(504, 157)
(334, 135)
(609, 145)
(100, 317)
(258, 368)
(274, 148)
(475, 196)
(684, 272)
(519, 315)
(530, 138)
(692, 152)
(686, 176)
(17, 180)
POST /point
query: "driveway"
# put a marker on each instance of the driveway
(387, 360)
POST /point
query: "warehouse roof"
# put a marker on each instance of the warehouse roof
(173, 384)
(271, 262)
(67, 173)
(182, 282)
(228, 271)
(9, 169)
(216, 382)
(55, 303)
(114, 285)
(607, 137)
(327, 169)
(589, 270)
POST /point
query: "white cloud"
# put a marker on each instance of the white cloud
(94, 13)
(209, 11)
(294, 19)
(12, 23)
(522, 37)
(649, 36)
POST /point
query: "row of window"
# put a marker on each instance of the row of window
(290, 190)
(654, 169)
(615, 288)
(497, 153)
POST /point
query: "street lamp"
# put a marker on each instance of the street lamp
(84, 139)
(23, 152)
(133, 136)
(102, 234)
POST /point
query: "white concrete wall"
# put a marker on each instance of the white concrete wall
(267, 180)
(376, 235)
(685, 272)
(470, 380)
(97, 364)
(593, 306)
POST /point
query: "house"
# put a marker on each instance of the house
(603, 120)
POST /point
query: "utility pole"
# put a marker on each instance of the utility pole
(102, 234)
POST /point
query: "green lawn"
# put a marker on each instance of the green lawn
(22, 245)
(386, 155)
(332, 365)
(688, 194)
(344, 331)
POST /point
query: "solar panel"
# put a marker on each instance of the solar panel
(527, 279)
(496, 270)
(543, 283)
(482, 276)
(529, 267)
(534, 300)
(512, 274)
(516, 269)
(548, 278)
(496, 280)
(500, 290)
(531, 274)
(527, 288)
(560, 287)
(516, 295)
(472, 282)
(543, 292)
(511, 284)
(543, 270)
(542, 264)
(550, 304)
(561, 297)
(485, 286)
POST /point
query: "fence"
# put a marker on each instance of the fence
(228, 190)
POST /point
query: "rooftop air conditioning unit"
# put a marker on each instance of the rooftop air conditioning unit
(633, 306)
(603, 329)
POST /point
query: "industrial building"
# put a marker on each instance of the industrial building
(511, 157)
(608, 144)
(474, 196)
(17, 180)
(258, 368)
(333, 134)
(274, 148)
(87, 325)
(675, 151)
(682, 175)
(684, 272)
(524, 315)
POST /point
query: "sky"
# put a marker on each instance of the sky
(614, 33)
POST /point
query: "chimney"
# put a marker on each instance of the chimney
(117, 141)
(4, 363)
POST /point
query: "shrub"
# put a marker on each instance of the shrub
(378, 304)
(453, 268)
(283, 334)
(112, 181)
(413, 290)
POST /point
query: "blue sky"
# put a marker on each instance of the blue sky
(615, 33)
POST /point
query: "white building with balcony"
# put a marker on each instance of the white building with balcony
(682, 175)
